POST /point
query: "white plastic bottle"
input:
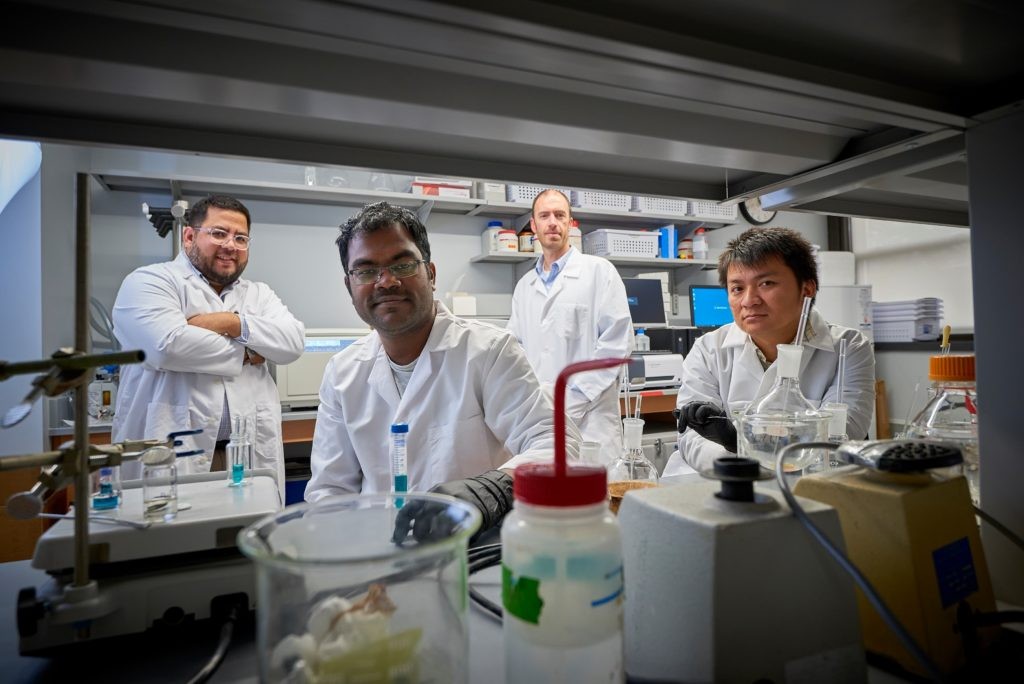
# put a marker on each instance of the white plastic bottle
(700, 244)
(562, 580)
(641, 342)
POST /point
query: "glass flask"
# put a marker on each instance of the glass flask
(239, 451)
(159, 484)
(952, 414)
(339, 601)
(783, 416)
(631, 470)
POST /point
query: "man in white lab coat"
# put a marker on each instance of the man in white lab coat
(768, 272)
(571, 307)
(207, 334)
(474, 408)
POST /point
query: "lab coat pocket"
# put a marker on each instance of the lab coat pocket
(567, 320)
(268, 420)
(458, 449)
(163, 419)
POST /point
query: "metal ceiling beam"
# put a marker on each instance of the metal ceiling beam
(835, 179)
(838, 206)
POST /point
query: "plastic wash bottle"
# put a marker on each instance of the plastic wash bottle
(562, 569)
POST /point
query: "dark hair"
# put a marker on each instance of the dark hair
(196, 214)
(550, 191)
(373, 217)
(757, 245)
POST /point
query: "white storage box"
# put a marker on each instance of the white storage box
(920, 329)
(525, 194)
(608, 242)
(712, 210)
(660, 205)
(600, 201)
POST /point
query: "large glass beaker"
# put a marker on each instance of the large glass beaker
(337, 600)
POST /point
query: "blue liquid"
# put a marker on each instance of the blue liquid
(104, 501)
(237, 473)
(401, 485)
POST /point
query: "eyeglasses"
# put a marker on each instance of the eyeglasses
(219, 236)
(369, 276)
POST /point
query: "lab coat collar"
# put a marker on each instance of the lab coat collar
(821, 339)
(187, 270)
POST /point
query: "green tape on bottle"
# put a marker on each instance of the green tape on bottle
(520, 596)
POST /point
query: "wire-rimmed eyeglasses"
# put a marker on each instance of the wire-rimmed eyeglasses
(219, 236)
(369, 276)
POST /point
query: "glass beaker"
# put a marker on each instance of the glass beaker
(762, 436)
(159, 484)
(239, 450)
(339, 601)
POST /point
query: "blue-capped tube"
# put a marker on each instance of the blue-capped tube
(399, 461)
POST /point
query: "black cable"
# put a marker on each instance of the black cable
(1000, 526)
(226, 632)
(485, 557)
(869, 591)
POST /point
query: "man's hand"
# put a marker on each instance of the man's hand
(491, 493)
(710, 422)
(253, 358)
(224, 323)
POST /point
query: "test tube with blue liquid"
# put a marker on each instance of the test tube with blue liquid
(239, 452)
(399, 461)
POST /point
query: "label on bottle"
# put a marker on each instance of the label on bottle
(565, 602)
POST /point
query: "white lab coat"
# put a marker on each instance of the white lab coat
(584, 316)
(471, 403)
(189, 371)
(723, 368)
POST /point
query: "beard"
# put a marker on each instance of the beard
(207, 266)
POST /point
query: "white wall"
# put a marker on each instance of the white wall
(908, 260)
(21, 314)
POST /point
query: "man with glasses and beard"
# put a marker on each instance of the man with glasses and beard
(207, 334)
(473, 406)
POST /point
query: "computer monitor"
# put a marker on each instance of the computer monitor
(646, 304)
(709, 306)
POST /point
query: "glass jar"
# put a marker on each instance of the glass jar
(952, 414)
(159, 484)
(339, 601)
(632, 469)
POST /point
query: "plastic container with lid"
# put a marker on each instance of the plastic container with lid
(562, 568)
(952, 413)
(526, 239)
(576, 235)
(686, 248)
(700, 244)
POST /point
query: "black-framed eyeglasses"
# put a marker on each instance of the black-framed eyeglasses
(219, 236)
(369, 276)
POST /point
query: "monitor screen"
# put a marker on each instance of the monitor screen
(646, 304)
(709, 306)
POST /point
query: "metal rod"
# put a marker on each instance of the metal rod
(82, 391)
(17, 461)
(87, 361)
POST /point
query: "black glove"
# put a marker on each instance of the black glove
(491, 493)
(710, 422)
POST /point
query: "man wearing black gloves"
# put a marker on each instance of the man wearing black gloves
(474, 407)
(768, 272)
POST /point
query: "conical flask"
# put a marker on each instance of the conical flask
(783, 416)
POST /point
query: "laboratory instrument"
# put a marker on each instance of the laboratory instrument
(723, 584)
(147, 574)
(913, 535)
(339, 601)
(632, 469)
(239, 450)
(656, 370)
(159, 484)
(951, 414)
(783, 416)
(562, 568)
